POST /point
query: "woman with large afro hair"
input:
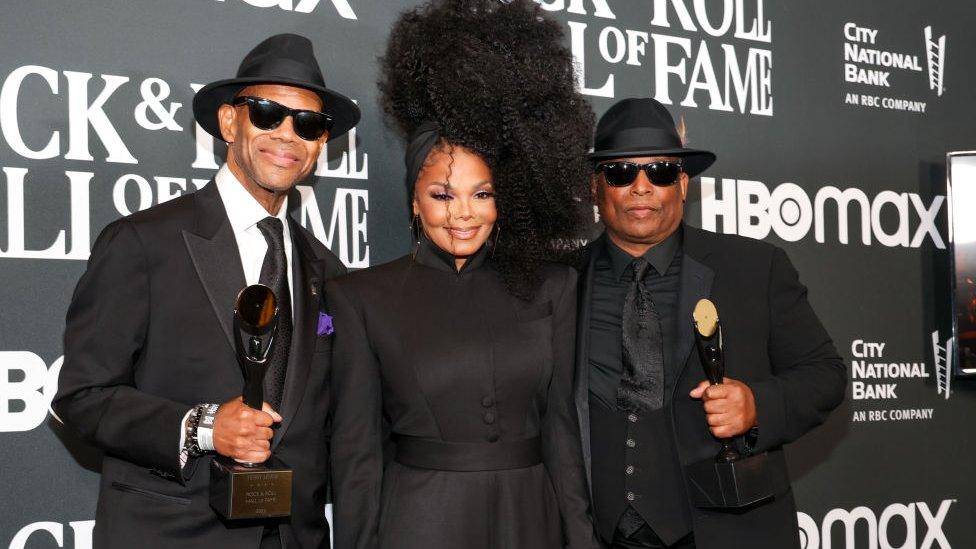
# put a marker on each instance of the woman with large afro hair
(455, 362)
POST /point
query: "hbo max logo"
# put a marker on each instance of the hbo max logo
(752, 209)
(920, 526)
(303, 6)
(27, 387)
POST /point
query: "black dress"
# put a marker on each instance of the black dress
(469, 391)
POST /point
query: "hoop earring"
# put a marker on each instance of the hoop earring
(494, 242)
(415, 233)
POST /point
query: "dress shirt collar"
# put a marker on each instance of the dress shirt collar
(433, 256)
(659, 256)
(243, 210)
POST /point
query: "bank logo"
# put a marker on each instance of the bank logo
(943, 352)
(878, 382)
(880, 69)
(914, 525)
(935, 52)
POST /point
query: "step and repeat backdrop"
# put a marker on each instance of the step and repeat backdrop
(831, 121)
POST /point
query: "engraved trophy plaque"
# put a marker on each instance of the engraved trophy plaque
(729, 480)
(252, 490)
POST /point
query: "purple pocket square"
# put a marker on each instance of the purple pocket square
(325, 324)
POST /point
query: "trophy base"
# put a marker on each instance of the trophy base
(737, 484)
(248, 492)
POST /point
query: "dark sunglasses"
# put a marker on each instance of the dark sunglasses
(268, 115)
(663, 173)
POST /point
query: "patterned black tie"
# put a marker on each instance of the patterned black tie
(642, 385)
(274, 274)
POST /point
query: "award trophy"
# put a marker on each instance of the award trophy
(729, 480)
(252, 490)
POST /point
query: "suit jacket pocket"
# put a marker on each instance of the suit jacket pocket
(535, 312)
(150, 493)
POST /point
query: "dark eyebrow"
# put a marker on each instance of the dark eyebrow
(480, 185)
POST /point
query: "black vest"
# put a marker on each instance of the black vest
(634, 458)
(635, 463)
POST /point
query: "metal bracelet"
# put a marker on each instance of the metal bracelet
(190, 442)
(205, 427)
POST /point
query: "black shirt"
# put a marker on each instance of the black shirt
(612, 278)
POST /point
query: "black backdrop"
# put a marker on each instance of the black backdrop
(831, 121)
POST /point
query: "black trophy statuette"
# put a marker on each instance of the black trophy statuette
(728, 480)
(252, 490)
(708, 335)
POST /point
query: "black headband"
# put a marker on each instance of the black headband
(422, 141)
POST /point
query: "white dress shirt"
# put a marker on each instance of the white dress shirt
(244, 213)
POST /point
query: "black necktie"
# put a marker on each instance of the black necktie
(274, 274)
(642, 385)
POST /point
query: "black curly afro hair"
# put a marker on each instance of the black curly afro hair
(497, 80)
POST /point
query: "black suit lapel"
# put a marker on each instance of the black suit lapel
(213, 251)
(582, 394)
(308, 275)
(695, 284)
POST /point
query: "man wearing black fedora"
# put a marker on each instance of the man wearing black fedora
(149, 354)
(645, 410)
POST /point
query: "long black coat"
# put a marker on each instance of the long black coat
(448, 356)
(148, 336)
(773, 342)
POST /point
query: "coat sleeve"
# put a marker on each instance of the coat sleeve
(809, 377)
(561, 446)
(357, 435)
(105, 332)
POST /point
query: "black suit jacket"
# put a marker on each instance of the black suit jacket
(773, 342)
(148, 336)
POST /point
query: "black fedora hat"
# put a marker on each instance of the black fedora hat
(282, 59)
(643, 127)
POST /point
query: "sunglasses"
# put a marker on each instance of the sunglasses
(663, 173)
(268, 115)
